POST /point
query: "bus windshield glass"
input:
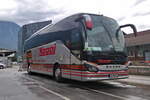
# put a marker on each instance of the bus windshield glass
(102, 37)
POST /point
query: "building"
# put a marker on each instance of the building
(7, 56)
(138, 47)
(25, 32)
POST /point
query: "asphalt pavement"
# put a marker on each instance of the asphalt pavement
(16, 85)
(137, 79)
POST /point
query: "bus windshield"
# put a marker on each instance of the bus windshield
(102, 37)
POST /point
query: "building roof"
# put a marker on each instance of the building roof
(142, 38)
(6, 51)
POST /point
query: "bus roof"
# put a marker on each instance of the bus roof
(60, 26)
(63, 24)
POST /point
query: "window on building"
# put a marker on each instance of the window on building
(140, 53)
(131, 53)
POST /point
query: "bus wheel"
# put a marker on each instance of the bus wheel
(57, 74)
(29, 70)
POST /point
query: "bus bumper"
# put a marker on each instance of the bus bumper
(105, 76)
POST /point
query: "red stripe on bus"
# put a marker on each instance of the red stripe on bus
(123, 74)
(147, 61)
(86, 75)
(97, 72)
(92, 75)
(41, 69)
(43, 65)
(79, 67)
(103, 61)
(72, 68)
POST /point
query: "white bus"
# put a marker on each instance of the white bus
(84, 47)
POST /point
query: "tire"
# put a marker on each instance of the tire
(58, 74)
(1, 67)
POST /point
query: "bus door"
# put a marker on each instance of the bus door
(76, 46)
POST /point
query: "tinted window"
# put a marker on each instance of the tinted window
(76, 39)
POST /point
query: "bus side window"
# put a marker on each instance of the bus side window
(76, 43)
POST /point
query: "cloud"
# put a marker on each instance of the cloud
(143, 26)
(139, 2)
(27, 11)
(141, 14)
(138, 14)
(35, 10)
(121, 19)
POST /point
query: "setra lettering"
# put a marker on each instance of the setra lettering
(47, 51)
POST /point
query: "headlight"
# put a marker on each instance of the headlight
(91, 68)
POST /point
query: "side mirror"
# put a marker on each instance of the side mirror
(127, 25)
(132, 26)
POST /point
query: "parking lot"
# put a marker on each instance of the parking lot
(21, 86)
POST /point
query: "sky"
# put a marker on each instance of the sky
(22, 12)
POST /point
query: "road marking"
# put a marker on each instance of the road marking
(135, 98)
(65, 98)
(48, 90)
(55, 93)
(109, 94)
(118, 84)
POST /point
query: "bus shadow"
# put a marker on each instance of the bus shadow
(96, 85)
(37, 75)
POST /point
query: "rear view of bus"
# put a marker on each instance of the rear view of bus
(84, 47)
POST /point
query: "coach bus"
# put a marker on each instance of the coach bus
(84, 47)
